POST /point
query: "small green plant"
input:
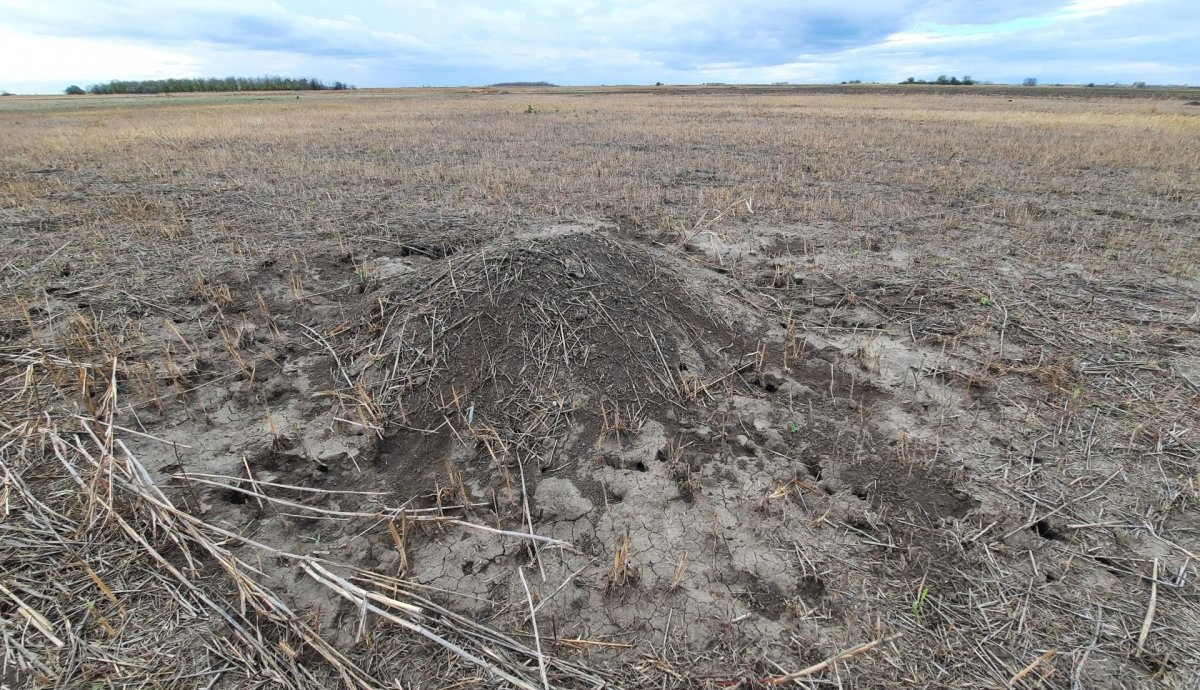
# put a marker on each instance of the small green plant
(918, 604)
(368, 276)
(987, 302)
(529, 109)
(793, 427)
(1120, 356)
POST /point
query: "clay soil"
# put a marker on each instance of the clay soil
(660, 389)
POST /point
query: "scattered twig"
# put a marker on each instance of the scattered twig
(1141, 643)
(818, 667)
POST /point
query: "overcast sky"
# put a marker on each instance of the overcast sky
(48, 44)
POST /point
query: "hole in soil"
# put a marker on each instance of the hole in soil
(685, 493)
(237, 498)
(1046, 531)
(523, 556)
(811, 587)
(640, 466)
(769, 383)
(860, 523)
(468, 568)
(860, 492)
(1112, 566)
(271, 460)
(682, 366)
(1155, 664)
(814, 468)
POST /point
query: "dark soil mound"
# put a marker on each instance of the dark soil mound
(510, 340)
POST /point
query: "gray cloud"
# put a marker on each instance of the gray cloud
(386, 42)
(250, 25)
(1151, 41)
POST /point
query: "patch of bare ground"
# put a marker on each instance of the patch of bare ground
(667, 389)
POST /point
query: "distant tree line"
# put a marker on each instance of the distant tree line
(213, 84)
(965, 80)
(523, 83)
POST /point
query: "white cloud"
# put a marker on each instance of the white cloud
(28, 57)
(1088, 8)
(398, 42)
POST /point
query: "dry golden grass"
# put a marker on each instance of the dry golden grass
(1019, 172)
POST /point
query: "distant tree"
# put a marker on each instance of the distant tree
(658, 83)
(268, 83)
(1029, 81)
(1139, 84)
(74, 90)
(1091, 85)
(943, 79)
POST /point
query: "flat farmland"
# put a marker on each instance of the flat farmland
(682, 387)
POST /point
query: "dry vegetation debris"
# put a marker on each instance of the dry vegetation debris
(678, 389)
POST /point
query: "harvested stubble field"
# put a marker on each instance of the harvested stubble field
(671, 389)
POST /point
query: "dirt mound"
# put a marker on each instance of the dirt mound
(509, 340)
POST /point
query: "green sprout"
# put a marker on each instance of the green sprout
(1120, 356)
(987, 302)
(793, 427)
(918, 604)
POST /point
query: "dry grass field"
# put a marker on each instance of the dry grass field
(658, 388)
